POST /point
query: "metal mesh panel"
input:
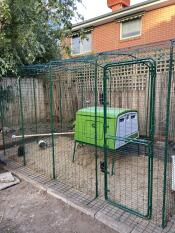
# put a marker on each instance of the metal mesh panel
(46, 101)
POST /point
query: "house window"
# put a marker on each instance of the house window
(131, 28)
(80, 46)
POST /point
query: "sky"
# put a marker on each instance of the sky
(93, 8)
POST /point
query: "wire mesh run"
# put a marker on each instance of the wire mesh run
(49, 98)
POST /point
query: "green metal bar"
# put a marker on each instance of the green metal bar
(21, 118)
(150, 150)
(153, 128)
(2, 124)
(110, 88)
(82, 96)
(164, 220)
(73, 156)
(34, 98)
(113, 165)
(146, 61)
(151, 136)
(60, 102)
(96, 155)
(149, 192)
(90, 59)
(105, 77)
(147, 115)
(52, 121)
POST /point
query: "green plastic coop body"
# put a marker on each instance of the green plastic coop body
(121, 123)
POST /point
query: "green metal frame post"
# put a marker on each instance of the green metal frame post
(152, 81)
(34, 99)
(21, 118)
(74, 151)
(52, 121)
(2, 124)
(105, 77)
(96, 155)
(164, 219)
(60, 102)
(82, 90)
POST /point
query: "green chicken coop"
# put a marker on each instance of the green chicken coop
(121, 124)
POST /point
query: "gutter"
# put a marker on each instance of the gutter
(146, 6)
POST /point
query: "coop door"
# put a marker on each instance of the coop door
(127, 127)
(89, 130)
(121, 130)
(129, 168)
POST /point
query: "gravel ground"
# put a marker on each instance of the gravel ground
(24, 208)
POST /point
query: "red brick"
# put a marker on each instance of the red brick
(157, 25)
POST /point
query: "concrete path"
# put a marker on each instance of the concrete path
(26, 209)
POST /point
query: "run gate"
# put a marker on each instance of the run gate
(130, 186)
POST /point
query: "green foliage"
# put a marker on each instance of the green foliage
(31, 31)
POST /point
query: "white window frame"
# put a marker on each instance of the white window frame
(130, 37)
(84, 52)
(72, 47)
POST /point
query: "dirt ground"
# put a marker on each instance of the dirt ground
(128, 186)
(23, 208)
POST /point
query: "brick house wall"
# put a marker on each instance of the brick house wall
(157, 25)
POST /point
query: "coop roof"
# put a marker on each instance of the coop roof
(111, 112)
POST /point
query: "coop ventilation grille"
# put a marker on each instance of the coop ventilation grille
(173, 172)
